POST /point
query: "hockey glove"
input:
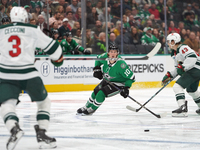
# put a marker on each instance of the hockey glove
(125, 92)
(58, 62)
(166, 78)
(86, 52)
(74, 52)
(97, 72)
(180, 69)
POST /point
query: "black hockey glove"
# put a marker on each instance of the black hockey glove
(86, 52)
(97, 72)
(74, 52)
(125, 92)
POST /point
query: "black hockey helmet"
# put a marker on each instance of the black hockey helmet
(113, 47)
(68, 34)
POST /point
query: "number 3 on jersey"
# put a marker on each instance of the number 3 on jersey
(17, 52)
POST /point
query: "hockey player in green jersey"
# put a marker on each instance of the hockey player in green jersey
(70, 46)
(187, 65)
(114, 70)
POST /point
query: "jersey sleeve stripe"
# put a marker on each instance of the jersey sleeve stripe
(19, 71)
(190, 54)
(193, 55)
(52, 48)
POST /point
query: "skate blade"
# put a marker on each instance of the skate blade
(19, 135)
(179, 115)
(43, 145)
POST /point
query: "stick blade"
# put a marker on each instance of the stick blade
(130, 108)
(154, 50)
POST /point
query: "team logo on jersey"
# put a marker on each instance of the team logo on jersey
(45, 69)
(123, 65)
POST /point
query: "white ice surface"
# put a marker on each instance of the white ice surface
(112, 126)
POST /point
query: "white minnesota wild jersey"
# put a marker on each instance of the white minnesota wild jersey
(17, 53)
(187, 56)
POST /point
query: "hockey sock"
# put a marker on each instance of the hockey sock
(196, 97)
(179, 93)
(90, 101)
(43, 113)
(100, 97)
(8, 113)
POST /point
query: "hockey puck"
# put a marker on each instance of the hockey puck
(147, 130)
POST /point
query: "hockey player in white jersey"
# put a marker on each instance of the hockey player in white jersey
(18, 41)
(187, 65)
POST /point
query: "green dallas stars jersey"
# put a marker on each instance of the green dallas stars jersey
(118, 73)
(72, 46)
(149, 40)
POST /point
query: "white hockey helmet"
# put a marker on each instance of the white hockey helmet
(18, 14)
(175, 37)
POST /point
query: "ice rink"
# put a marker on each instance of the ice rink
(112, 126)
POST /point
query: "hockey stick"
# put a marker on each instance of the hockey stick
(136, 110)
(146, 57)
(157, 115)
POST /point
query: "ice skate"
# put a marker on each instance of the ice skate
(80, 110)
(198, 111)
(43, 140)
(181, 111)
(88, 111)
(16, 134)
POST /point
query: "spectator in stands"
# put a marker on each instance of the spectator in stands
(63, 4)
(102, 17)
(126, 5)
(180, 26)
(133, 22)
(78, 37)
(117, 29)
(45, 14)
(5, 4)
(115, 12)
(70, 19)
(135, 36)
(99, 7)
(125, 23)
(197, 11)
(92, 18)
(54, 26)
(191, 41)
(32, 21)
(148, 38)
(77, 15)
(134, 4)
(41, 23)
(183, 35)
(125, 37)
(36, 13)
(88, 6)
(144, 13)
(74, 5)
(160, 5)
(187, 11)
(75, 27)
(149, 23)
(162, 14)
(134, 12)
(64, 28)
(60, 9)
(147, 2)
(15, 3)
(55, 17)
(156, 33)
(51, 6)
(128, 13)
(5, 20)
(110, 27)
(172, 7)
(89, 39)
(154, 11)
(172, 28)
(97, 29)
(2, 13)
(112, 38)
(27, 7)
(8, 11)
(100, 44)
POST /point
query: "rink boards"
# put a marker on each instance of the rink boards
(76, 73)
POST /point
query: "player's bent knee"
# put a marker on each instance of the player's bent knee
(178, 89)
(44, 105)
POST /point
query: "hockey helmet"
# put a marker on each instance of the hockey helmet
(68, 34)
(113, 47)
(18, 14)
(175, 37)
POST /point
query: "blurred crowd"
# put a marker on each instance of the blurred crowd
(142, 24)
